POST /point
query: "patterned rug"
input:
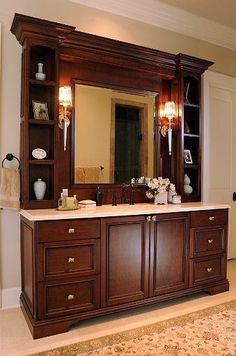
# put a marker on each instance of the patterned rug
(208, 332)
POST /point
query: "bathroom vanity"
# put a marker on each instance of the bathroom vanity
(96, 261)
(91, 262)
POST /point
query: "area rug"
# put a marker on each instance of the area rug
(207, 332)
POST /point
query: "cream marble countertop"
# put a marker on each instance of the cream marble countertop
(119, 210)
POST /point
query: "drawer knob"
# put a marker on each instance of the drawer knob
(71, 230)
(210, 241)
(154, 218)
(70, 297)
(148, 218)
(209, 269)
(211, 218)
(71, 259)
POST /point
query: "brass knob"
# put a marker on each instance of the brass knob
(148, 218)
(71, 260)
(209, 269)
(154, 218)
(211, 218)
(71, 231)
(210, 241)
(70, 297)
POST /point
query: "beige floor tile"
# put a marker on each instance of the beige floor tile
(16, 340)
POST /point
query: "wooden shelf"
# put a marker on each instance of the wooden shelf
(191, 135)
(48, 83)
(41, 162)
(191, 166)
(42, 122)
(192, 105)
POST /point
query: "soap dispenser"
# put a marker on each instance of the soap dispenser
(99, 197)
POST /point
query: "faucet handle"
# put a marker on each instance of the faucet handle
(114, 200)
(123, 197)
(131, 197)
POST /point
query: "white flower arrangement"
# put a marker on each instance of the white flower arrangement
(159, 185)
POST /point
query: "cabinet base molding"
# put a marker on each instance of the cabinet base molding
(53, 326)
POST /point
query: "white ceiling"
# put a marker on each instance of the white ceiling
(213, 21)
(223, 12)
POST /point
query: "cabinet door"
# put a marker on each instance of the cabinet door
(125, 259)
(169, 250)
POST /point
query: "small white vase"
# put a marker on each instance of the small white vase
(40, 75)
(39, 189)
(188, 189)
(160, 198)
(187, 180)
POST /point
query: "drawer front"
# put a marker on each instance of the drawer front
(68, 230)
(209, 218)
(66, 298)
(204, 270)
(69, 259)
(207, 241)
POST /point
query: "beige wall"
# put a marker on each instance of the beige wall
(88, 20)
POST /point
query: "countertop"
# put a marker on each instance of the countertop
(119, 210)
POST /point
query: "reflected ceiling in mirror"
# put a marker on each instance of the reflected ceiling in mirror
(113, 135)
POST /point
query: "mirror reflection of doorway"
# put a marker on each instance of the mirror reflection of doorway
(128, 141)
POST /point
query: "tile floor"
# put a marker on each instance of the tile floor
(16, 340)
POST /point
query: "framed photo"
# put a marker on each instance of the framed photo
(40, 110)
(188, 157)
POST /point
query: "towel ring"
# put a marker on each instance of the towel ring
(10, 157)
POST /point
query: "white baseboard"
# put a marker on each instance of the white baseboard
(10, 298)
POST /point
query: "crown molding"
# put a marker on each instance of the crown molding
(155, 13)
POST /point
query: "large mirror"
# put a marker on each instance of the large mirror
(114, 135)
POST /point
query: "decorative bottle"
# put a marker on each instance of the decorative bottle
(39, 189)
(188, 189)
(40, 75)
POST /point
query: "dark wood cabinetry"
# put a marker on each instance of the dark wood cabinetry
(168, 253)
(208, 246)
(70, 57)
(38, 133)
(74, 269)
(125, 260)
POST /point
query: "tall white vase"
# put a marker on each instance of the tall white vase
(40, 75)
(39, 189)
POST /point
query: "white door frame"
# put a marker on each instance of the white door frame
(220, 81)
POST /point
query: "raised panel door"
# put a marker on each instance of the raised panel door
(169, 252)
(125, 260)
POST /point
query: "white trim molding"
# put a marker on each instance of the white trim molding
(156, 13)
(11, 298)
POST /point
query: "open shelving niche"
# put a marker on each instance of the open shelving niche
(41, 133)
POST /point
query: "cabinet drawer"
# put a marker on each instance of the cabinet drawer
(207, 269)
(209, 218)
(205, 241)
(69, 259)
(68, 229)
(66, 298)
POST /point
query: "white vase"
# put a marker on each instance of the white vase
(188, 189)
(187, 180)
(40, 75)
(39, 189)
(161, 198)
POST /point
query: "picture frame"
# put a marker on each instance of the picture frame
(40, 110)
(188, 157)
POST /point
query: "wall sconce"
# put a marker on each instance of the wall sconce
(64, 121)
(169, 113)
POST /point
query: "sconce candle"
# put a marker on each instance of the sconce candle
(64, 121)
(169, 113)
